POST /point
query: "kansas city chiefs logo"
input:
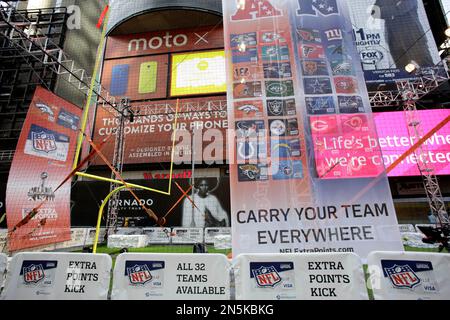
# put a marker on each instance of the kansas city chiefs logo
(255, 9)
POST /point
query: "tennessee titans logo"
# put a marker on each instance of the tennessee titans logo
(43, 141)
(139, 274)
(266, 277)
(402, 276)
(33, 273)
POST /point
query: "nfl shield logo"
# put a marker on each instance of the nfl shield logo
(402, 276)
(139, 274)
(266, 276)
(43, 141)
(33, 273)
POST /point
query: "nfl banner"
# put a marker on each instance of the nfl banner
(409, 275)
(43, 158)
(58, 276)
(311, 276)
(168, 276)
(305, 169)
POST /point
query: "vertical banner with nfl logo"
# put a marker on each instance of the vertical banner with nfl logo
(320, 182)
(269, 174)
(43, 158)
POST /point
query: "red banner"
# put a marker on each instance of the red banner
(201, 125)
(43, 158)
(163, 42)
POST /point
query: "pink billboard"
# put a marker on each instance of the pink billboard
(394, 140)
(345, 146)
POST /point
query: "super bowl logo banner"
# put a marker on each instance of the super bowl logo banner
(43, 158)
(305, 173)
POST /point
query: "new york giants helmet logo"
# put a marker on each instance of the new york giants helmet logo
(402, 276)
(139, 274)
(266, 276)
(33, 274)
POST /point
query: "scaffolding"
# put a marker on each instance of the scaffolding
(20, 73)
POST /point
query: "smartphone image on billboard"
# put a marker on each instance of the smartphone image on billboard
(119, 80)
(147, 77)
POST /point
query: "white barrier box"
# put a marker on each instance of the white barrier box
(406, 228)
(409, 275)
(3, 238)
(77, 238)
(3, 264)
(187, 235)
(166, 276)
(306, 276)
(127, 241)
(90, 236)
(157, 235)
(58, 276)
(211, 233)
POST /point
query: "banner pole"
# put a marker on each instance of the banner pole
(88, 102)
(100, 213)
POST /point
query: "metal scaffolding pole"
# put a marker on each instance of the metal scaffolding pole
(426, 168)
(119, 148)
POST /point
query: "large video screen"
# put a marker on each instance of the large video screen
(395, 139)
(389, 35)
(198, 73)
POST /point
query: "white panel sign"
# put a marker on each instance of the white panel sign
(127, 241)
(3, 263)
(157, 235)
(91, 236)
(409, 275)
(307, 276)
(211, 233)
(3, 238)
(77, 238)
(406, 228)
(187, 235)
(153, 276)
(58, 276)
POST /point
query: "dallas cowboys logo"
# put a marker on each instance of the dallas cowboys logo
(317, 86)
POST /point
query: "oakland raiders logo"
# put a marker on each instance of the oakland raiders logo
(275, 107)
